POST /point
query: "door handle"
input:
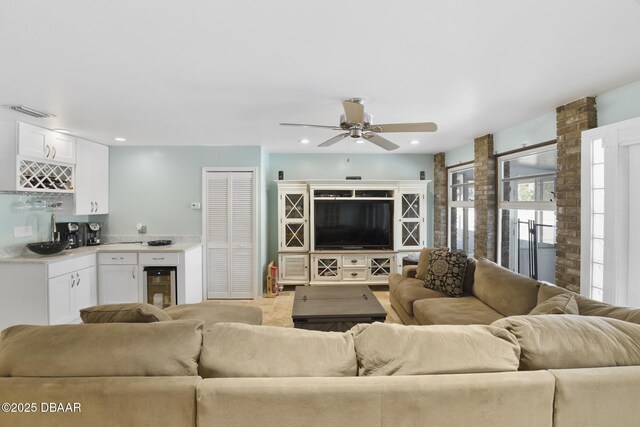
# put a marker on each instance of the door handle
(73, 281)
(48, 151)
(54, 152)
(133, 272)
(78, 277)
(96, 206)
(91, 207)
(158, 259)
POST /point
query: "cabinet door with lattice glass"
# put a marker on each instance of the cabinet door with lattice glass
(327, 267)
(380, 267)
(294, 220)
(411, 216)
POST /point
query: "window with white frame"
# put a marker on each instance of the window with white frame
(527, 212)
(597, 219)
(461, 211)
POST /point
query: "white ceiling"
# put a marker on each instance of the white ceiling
(169, 72)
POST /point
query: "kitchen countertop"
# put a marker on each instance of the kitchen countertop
(31, 258)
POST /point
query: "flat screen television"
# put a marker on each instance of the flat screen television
(353, 224)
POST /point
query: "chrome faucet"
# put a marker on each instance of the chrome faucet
(53, 229)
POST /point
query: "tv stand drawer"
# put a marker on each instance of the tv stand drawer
(351, 274)
(354, 260)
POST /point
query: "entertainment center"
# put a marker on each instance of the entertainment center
(336, 232)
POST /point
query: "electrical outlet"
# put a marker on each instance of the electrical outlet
(195, 205)
(22, 231)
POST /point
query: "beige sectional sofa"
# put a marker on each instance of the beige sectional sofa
(491, 292)
(177, 373)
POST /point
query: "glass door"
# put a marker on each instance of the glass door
(527, 216)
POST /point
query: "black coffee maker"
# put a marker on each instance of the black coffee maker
(93, 231)
(72, 232)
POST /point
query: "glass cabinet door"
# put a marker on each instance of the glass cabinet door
(412, 219)
(294, 231)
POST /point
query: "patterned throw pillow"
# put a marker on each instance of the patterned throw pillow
(446, 272)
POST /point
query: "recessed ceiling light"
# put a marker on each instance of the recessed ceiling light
(359, 141)
(120, 139)
(414, 142)
(63, 130)
(304, 141)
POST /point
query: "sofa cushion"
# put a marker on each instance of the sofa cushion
(446, 272)
(589, 307)
(126, 313)
(467, 310)
(211, 313)
(391, 349)
(506, 292)
(239, 350)
(423, 261)
(407, 290)
(571, 341)
(559, 304)
(101, 350)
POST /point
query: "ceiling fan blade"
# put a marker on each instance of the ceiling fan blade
(311, 126)
(333, 140)
(354, 110)
(380, 141)
(405, 127)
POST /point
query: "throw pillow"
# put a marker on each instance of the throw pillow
(123, 313)
(423, 261)
(446, 272)
(560, 304)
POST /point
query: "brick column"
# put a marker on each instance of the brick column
(571, 120)
(440, 201)
(485, 198)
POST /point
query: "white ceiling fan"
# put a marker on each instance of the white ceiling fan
(357, 124)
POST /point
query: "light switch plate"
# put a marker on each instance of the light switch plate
(22, 231)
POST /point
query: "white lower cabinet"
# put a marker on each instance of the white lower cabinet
(119, 278)
(69, 293)
(119, 283)
(47, 293)
(352, 268)
(293, 269)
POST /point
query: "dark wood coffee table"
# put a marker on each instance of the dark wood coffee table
(335, 308)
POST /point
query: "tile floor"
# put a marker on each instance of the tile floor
(277, 311)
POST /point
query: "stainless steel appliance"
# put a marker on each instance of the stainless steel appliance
(159, 286)
(93, 232)
(71, 232)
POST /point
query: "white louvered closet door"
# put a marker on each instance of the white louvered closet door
(230, 222)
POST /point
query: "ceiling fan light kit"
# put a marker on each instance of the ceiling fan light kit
(357, 124)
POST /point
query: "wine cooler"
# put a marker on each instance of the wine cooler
(160, 286)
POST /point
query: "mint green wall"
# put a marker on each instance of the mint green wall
(156, 185)
(39, 220)
(339, 166)
(619, 104)
(540, 129)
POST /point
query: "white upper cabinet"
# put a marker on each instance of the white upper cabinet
(92, 178)
(293, 211)
(41, 143)
(411, 209)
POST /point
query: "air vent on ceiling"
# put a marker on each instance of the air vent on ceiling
(30, 111)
